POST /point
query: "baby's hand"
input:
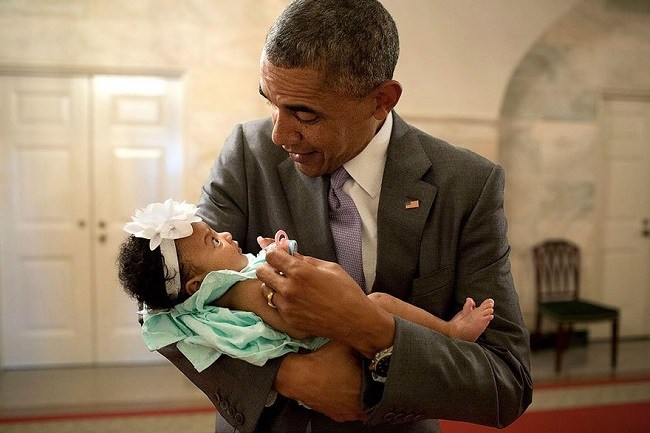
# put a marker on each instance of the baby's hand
(264, 242)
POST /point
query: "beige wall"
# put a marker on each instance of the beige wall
(455, 63)
(551, 140)
(457, 56)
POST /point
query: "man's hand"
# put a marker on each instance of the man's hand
(327, 380)
(320, 298)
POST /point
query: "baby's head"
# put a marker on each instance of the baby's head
(169, 253)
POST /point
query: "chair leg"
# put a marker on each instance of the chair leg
(614, 341)
(536, 338)
(560, 345)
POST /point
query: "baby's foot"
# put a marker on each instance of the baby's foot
(471, 321)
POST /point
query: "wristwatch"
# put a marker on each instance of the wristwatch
(379, 365)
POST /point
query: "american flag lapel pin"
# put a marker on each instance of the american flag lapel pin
(412, 204)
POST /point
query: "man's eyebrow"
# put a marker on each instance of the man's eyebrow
(300, 108)
(291, 107)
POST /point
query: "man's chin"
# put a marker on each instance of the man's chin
(310, 170)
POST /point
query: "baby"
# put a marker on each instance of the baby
(201, 292)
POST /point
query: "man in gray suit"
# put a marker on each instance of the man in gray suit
(434, 233)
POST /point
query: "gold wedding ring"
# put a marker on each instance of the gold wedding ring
(269, 299)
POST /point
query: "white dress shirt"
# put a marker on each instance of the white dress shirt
(366, 171)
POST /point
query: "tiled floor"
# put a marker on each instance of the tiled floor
(79, 390)
(592, 361)
(92, 389)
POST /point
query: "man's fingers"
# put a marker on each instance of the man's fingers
(313, 261)
(280, 264)
(269, 295)
(281, 260)
(269, 276)
(284, 263)
(323, 265)
(266, 290)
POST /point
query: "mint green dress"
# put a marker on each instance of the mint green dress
(203, 332)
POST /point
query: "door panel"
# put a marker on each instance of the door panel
(45, 270)
(137, 156)
(626, 178)
(78, 155)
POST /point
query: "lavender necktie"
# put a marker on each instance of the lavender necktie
(345, 223)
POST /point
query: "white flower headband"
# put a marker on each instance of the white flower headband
(161, 223)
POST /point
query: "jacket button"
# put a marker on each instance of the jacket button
(239, 418)
(223, 404)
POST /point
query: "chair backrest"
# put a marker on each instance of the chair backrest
(557, 270)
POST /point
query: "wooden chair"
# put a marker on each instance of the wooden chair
(557, 281)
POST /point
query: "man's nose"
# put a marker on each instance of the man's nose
(285, 132)
(227, 236)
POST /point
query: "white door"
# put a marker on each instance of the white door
(137, 160)
(78, 156)
(625, 238)
(46, 268)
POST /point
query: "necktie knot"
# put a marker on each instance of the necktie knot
(338, 178)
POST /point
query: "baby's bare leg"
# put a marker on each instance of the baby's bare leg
(471, 321)
(410, 312)
(467, 325)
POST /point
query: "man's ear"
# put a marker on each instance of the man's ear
(193, 284)
(387, 96)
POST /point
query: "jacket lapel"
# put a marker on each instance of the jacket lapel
(404, 206)
(307, 204)
(399, 227)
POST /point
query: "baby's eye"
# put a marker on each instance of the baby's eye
(215, 242)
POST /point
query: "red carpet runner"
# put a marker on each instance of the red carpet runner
(623, 418)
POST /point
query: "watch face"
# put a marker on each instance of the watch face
(382, 366)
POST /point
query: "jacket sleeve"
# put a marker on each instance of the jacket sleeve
(433, 376)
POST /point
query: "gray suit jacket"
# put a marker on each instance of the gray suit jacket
(452, 246)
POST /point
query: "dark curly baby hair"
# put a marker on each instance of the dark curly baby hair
(142, 274)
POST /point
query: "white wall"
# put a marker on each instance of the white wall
(553, 139)
(458, 55)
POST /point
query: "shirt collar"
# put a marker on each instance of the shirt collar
(367, 168)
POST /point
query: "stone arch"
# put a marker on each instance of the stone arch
(549, 128)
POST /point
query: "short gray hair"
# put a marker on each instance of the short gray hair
(354, 43)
